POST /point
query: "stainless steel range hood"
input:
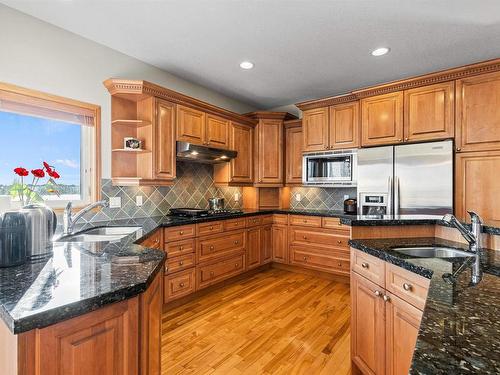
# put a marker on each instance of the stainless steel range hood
(203, 154)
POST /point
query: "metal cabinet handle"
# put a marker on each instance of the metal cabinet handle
(377, 293)
(386, 298)
(364, 265)
(407, 286)
(181, 285)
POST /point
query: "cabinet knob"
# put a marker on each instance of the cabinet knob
(339, 264)
(407, 286)
(406, 139)
(181, 248)
(211, 227)
(181, 232)
(157, 241)
(211, 248)
(236, 242)
(364, 265)
(458, 148)
(339, 241)
(305, 237)
(305, 221)
(181, 285)
(377, 293)
(211, 273)
(181, 263)
(236, 265)
(305, 258)
(386, 298)
(400, 140)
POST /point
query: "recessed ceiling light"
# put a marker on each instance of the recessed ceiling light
(246, 65)
(380, 51)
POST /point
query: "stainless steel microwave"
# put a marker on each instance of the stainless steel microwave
(330, 169)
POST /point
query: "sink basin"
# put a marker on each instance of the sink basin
(433, 252)
(103, 234)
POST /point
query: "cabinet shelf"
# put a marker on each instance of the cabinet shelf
(132, 123)
(132, 151)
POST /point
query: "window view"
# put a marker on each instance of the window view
(32, 141)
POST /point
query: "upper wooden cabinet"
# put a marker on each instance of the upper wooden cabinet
(477, 185)
(217, 132)
(239, 171)
(164, 156)
(315, 129)
(190, 125)
(293, 158)
(382, 119)
(344, 126)
(428, 112)
(478, 113)
(270, 152)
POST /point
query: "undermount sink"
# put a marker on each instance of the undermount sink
(433, 252)
(102, 234)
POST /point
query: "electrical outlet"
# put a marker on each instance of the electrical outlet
(236, 197)
(138, 200)
(298, 197)
(115, 202)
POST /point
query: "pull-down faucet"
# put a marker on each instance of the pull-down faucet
(473, 237)
(69, 220)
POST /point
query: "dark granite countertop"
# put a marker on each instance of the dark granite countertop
(460, 328)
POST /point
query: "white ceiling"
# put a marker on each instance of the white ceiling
(302, 49)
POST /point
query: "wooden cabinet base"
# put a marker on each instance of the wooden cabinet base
(121, 338)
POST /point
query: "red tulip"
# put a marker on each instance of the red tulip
(38, 173)
(23, 172)
(52, 173)
(48, 168)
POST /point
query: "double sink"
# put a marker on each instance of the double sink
(433, 252)
(101, 234)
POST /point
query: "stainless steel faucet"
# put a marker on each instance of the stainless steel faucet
(69, 219)
(473, 237)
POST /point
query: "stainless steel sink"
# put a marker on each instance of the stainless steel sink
(433, 252)
(102, 234)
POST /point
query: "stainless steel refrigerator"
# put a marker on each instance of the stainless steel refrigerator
(406, 180)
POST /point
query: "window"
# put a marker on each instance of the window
(39, 127)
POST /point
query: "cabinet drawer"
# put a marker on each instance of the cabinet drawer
(368, 266)
(177, 248)
(280, 219)
(211, 227)
(268, 219)
(305, 221)
(213, 273)
(220, 246)
(179, 263)
(179, 284)
(254, 221)
(320, 260)
(407, 285)
(234, 224)
(179, 233)
(334, 223)
(318, 237)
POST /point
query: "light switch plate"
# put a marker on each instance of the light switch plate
(115, 202)
(298, 197)
(236, 197)
(138, 200)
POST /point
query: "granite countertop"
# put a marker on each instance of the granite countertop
(460, 328)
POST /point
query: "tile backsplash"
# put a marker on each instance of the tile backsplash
(315, 198)
(192, 188)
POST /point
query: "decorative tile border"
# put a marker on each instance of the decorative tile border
(314, 198)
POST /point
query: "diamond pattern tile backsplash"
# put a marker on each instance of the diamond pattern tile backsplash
(314, 198)
(192, 188)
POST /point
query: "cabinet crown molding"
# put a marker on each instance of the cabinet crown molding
(452, 74)
(269, 115)
(136, 90)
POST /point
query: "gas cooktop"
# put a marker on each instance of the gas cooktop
(199, 212)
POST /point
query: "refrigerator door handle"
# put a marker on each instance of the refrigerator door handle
(396, 196)
(389, 196)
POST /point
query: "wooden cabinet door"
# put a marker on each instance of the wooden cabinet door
(266, 253)
(217, 132)
(105, 341)
(241, 167)
(344, 126)
(402, 322)
(190, 125)
(270, 152)
(253, 247)
(151, 303)
(164, 155)
(153, 241)
(477, 113)
(315, 129)
(477, 185)
(293, 158)
(429, 112)
(382, 119)
(280, 244)
(367, 326)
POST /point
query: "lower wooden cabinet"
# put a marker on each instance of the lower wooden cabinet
(266, 244)
(280, 244)
(320, 258)
(210, 274)
(179, 284)
(153, 241)
(254, 245)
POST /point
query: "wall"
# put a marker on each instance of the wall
(40, 56)
(313, 198)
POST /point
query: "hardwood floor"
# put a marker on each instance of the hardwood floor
(275, 322)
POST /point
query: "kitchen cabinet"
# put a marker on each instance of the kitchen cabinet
(190, 125)
(179, 284)
(254, 244)
(293, 158)
(217, 132)
(153, 241)
(429, 112)
(213, 273)
(164, 156)
(280, 244)
(266, 254)
(269, 166)
(477, 185)
(477, 123)
(315, 129)
(344, 126)
(382, 119)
